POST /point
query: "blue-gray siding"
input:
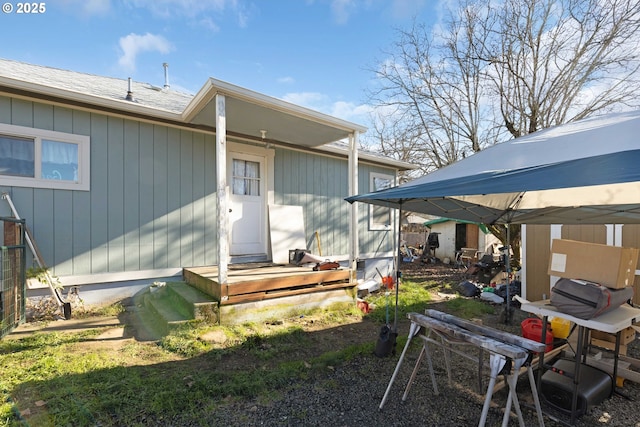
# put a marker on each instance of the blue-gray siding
(152, 203)
(319, 184)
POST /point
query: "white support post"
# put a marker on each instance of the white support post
(354, 252)
(221, 178)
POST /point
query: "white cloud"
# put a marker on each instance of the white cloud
(134, 44)
(313, 100)
(350, 111)
(322, 103)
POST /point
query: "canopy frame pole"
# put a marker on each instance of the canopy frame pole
(397, 272)
(507, 267)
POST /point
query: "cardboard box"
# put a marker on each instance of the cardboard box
(627, 335)
(611, 266)
(608, 345)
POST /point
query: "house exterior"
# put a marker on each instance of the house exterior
(122, 181)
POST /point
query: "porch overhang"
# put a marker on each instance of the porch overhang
(248, 113)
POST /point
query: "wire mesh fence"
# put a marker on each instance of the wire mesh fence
(12, 275)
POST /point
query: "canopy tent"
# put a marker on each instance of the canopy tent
(585, 172)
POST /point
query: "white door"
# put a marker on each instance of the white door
(247, 215)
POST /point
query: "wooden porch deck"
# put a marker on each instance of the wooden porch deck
(257, 282)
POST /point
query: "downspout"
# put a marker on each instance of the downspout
(223, 207)
(354, 252)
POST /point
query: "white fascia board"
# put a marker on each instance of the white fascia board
(213, 86)
(372, 158)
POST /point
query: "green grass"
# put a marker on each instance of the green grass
(51, 379)
(469, 308)
(66, 379)
(412, 297)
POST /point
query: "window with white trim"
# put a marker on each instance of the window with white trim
(43, 159)
(380, 216)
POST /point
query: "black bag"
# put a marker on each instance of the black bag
(469, 289)
(386, 344)
(586, 300)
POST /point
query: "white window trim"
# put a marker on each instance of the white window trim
(373, 225)
(82, 141)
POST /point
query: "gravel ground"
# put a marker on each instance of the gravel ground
(350, 395)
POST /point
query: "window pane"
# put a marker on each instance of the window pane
(381, 183)
(246, 178)
(381, 215)
(17, 156)
(59, 161)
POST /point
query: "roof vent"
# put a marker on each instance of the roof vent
(166, 75)
(129, 96)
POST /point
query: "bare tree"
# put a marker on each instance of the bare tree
(491, 71)
(553, 62)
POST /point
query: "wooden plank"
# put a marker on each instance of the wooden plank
(484, 330)
(624, 367)
(608, 345)
(478, 340)
(206, 285)
(260, 296)
(286, 281)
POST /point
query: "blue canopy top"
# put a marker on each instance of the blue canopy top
(583, 172)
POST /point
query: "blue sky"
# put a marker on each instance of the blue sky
(314, 53)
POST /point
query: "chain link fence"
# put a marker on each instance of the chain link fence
(12, 274)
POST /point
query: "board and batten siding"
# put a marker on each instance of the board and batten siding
(319, 184)
(373, 243)
(152, 202)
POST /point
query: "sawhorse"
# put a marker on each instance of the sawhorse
(500, 345)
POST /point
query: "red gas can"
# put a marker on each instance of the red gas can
(532, 329)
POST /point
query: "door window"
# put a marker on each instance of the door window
(246, 177)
